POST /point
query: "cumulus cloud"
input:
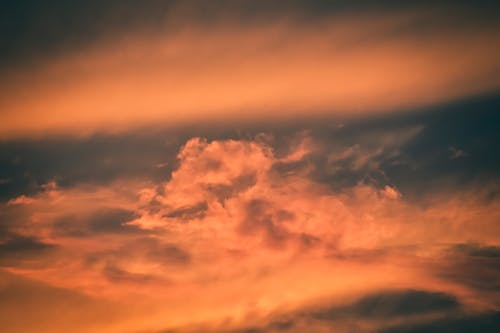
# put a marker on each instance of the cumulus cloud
(228, 225)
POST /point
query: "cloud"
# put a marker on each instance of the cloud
(250, 166)
(117, 275)
(27, 37)
(101, 221)
(475, 265)
(476, 250)
(28, 305)
(406, 151)
(98, 159)
(379, 312)
(236, 71)
(484, 322)
(456, 153)
(239, 241)
(18, 250)
(20, 200)
(371, 313)
(393, 304)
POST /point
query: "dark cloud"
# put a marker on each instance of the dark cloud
(17, 249)
(118, 275)
(261, 216)
(34, 31)
(239, 184)
(475, 266)
(375, 309)
(102, 221)
(392, 304)
(147, 249)
(477, 250)
(168, 254)
(189, 213)
(416, 164)
(484, 323)
(471, 125)
(100, 159)
(111, 220)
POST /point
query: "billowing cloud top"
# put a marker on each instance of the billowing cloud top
(250, 226)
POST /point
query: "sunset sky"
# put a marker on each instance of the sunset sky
(250, 166)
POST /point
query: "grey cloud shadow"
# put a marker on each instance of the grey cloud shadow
(99, 160)
(33, 32)
(116, 274)
(484, 323)
(112, 220)
(145, 248)
(419, 165)
(19, 250)
(187, 213)
(477, 250)
(383, 306)
(473, 265)
(262, 217)
(389, 304)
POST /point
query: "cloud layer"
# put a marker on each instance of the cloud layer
(243, 236)
(226, 70)
(249, 166)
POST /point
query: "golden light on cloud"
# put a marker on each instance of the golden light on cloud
(228, 237)
(249, 166)
(233, 72)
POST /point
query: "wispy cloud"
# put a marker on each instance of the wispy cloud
(347, 65)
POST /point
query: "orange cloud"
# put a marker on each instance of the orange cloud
(231, 241)
(232, 72)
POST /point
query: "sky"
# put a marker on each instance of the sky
(249, 166)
